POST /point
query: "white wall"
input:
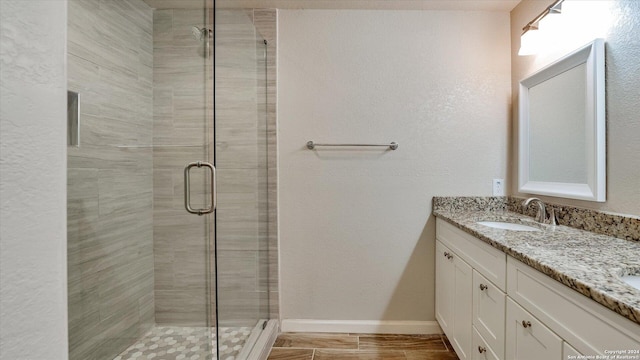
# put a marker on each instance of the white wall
(618, 22)
(357, 238)
(33, 302)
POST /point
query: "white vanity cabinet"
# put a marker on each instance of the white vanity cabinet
(453, 298)
(493, 306)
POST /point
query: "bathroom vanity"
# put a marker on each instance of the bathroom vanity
(545, 293)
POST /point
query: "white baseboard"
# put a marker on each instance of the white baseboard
(361, 326)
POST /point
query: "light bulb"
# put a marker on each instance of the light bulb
(530, 42)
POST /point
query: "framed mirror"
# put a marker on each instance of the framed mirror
(562, 127)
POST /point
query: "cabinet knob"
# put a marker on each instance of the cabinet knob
(526, 324)
(481, 349)
(447, 255)
(483, 287)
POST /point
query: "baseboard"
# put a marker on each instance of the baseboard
(361, 326)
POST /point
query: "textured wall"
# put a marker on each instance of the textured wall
(357, 239)
(110, 238)
(181, 134)
(33, 262)
(620, 25)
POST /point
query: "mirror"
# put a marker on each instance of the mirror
(562, 127)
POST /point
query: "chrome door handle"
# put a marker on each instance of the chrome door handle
(187, 192)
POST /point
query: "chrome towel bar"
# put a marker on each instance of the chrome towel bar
(311, 145)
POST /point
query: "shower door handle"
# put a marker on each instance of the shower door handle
(187, 192)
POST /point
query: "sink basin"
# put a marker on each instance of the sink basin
(633, 280)
(507, 226)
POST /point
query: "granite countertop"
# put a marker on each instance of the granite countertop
(588, 263)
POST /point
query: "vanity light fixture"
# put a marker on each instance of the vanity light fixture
(532, 37)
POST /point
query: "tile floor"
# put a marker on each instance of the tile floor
(192, 343)
(305, 346)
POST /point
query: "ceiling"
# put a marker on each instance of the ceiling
(478, 5)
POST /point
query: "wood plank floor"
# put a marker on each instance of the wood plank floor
(324, 346)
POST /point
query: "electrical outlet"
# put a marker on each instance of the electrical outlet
(498, 187)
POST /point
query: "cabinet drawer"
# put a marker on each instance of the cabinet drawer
(487, 260)
(528, 338)
(588, 326)
(489, 312)
(481, 349)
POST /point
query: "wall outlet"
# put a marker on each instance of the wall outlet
(498, 187)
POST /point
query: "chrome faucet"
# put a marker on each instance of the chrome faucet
(541, 216)
(542, 213)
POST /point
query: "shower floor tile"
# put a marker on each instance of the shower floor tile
(188, 343)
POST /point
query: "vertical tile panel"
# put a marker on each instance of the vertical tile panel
(180, 79)
(110, 243)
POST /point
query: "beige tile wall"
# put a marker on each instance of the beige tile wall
(110, 235)
(180, 136)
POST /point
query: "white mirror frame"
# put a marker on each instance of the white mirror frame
(595, 189)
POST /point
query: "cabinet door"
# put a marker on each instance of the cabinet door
(444, 288)
(454, 281)
(489, 304)
(462, 308)
(527, 338)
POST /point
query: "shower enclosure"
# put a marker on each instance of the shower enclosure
(168, 209)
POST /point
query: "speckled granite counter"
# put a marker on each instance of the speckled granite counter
(584, 261)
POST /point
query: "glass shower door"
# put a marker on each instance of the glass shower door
(184, 193)
(241, 163)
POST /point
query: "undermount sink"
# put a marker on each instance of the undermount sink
(633, 280)
(507, 226)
